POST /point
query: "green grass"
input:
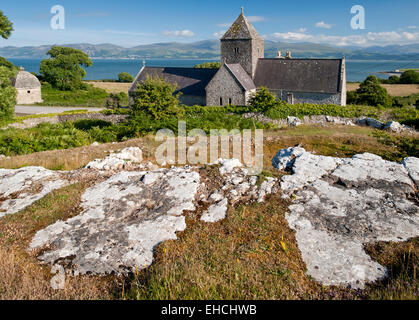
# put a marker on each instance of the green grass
(50, 115)
(91, 97)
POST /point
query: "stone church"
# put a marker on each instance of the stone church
(244, 69)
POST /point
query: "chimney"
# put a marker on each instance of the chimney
(288, 55)
(279, 55)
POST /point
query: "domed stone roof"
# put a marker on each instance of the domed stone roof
(26, 80)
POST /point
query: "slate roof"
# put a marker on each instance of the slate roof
(241, 29)
(300, 75)
(190, 81)
(242, 76)
(25, 80)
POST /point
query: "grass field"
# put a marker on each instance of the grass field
(238, 258)
(111, 87)
(395, 90)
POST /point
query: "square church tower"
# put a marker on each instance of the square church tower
(242, 45)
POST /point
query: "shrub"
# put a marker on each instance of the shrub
(41, 138)
(125, 77)
(115, 99)
(409, 77)
(87, 124)
(391, 80)
(208, 65)
(262, 100)
(371, 93)
(156, 98)
(7, 95)
(9, 65)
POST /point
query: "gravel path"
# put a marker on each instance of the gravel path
(46, 110)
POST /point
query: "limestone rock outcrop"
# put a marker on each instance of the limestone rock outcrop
(123, 219)
(341, 204)
(22, 187)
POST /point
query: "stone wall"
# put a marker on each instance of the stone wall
(309, 97)
(343, 84)
(28, 96)
(224, 86)
(189, 100)
(248, 55)
(33, 122)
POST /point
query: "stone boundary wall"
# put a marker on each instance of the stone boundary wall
(33, 122)
(392, 126)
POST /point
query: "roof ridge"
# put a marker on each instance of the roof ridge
(241, 25)
(238, 76)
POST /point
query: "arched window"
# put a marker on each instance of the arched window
(236, 50)
(221, 101)
(230, 101)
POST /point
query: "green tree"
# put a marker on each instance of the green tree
(262, 100)
(155, 97)
(371, 93)
(410, 77)
(64, 69)
(7, 95)
(125, 77)
(208, 65)
(115, 99)
(6, 27)
(391, 80)
(9, 65)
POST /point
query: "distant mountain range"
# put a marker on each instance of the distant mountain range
(210, 49)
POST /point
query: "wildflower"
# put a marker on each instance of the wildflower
(283, 245)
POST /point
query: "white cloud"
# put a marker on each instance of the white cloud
(256, 18)
(413, 27)
(219, 34)
(293, 36)
(367, 39)
(302, 30)
(179, 33)
(225, 25)
(129, 33)
(323, 25)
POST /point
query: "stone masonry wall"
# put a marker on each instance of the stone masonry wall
(189, 100)
(224, 86)
(28, 96)
(309, 97)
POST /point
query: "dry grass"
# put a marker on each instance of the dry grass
(21, 275)
(402, 261)
(76, 158)
(239, 258)
(396, 90)
(334, 141)
(112, 87)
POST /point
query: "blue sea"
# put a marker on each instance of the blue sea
(357, 70)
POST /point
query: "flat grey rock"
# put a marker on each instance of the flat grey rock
(22, 187)
(123, 219)
(341, 204)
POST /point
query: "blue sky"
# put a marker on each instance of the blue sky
(134, 22)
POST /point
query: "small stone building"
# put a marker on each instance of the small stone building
(28, 88)
(244, 69)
